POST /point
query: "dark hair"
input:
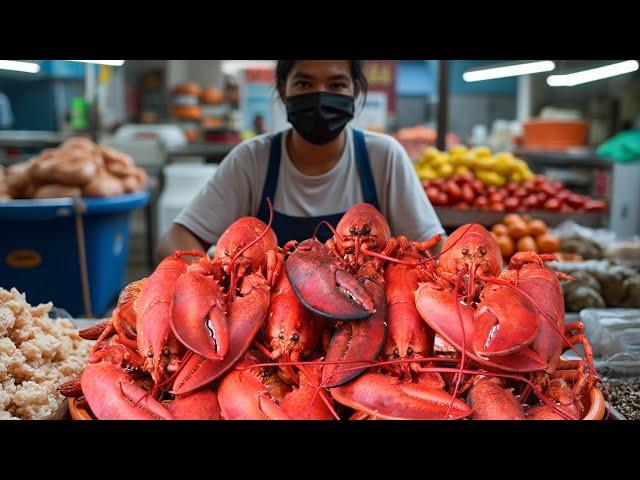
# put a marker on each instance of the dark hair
(283, 68)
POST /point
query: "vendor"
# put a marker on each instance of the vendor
(313, 172)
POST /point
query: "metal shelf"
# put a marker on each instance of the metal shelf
(453, 218)
(564, 159)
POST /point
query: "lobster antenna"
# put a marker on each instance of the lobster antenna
(329, 226)
(430, 259)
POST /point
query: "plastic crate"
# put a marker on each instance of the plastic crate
(39, 252)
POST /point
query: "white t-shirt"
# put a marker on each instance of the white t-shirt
(235, 189)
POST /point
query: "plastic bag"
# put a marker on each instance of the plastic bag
(623, 147)
(570, 229)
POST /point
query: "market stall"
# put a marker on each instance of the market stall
(529, 309)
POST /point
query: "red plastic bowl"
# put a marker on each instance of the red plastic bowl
(555, 134)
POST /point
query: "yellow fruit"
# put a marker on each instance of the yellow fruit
(489, 177)
(516, 177)
(439, 161)
(461, 169)
(481, 151)
(458, 150)
(446, 170)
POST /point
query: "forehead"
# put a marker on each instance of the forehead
(320, 68)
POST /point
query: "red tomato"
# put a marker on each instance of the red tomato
(437, 182)
(452, 189)
(492, 189)
(575, 201)
(564, 208)
(595, 205)
(512, 186)
(540, 180)
(463, 178)
(462, 206)
(433, 193)
(529, 185)
(520, 192)
(496, 207)
(477, 186)
(552, 204)
(531, 201)
(481, 202)
(443, 199)
(496, 197)
(467, 194)
(511, 203)
(542, 197)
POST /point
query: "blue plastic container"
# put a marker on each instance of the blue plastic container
(39, 252)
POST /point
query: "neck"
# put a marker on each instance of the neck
(313, 159)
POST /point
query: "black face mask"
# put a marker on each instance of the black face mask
(319, 117)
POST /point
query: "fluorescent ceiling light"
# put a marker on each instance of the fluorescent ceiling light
(27, 67)
(513, 70)
(577, 78)
(113, 63)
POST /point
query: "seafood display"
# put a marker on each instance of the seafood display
(363, 326)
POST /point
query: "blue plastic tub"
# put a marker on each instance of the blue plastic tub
(39, 251)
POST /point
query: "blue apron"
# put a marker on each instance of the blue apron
(288, 227)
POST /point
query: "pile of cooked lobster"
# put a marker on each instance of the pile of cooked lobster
(363, 326)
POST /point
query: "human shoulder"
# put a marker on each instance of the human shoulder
(383, 144)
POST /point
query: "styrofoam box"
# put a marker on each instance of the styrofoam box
(181, 183)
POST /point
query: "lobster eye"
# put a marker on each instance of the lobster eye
(409, 351)
(150, 354)
(226, 252)
(396, 354)
(366, 229)
(465, 251)
(295, 337)
(352, 230)
(482, 250)
(281, 336)
(165, 352)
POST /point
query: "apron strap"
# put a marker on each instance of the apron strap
(271, 181)
(364, 168)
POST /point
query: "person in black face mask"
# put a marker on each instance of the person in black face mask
(314, 171)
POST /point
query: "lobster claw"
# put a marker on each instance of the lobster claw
(359, 340)
(323, 287)
(112, 395)
(439, 307)
(505, 322)
(246, 315)
(198, 315)
(383, 397)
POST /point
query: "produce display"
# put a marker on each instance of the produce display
(78, 168)
(625, 396)
(465, 192)
(490, 169)
(523, 234)
(36, 355)
(600, 284)
(340, 329)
